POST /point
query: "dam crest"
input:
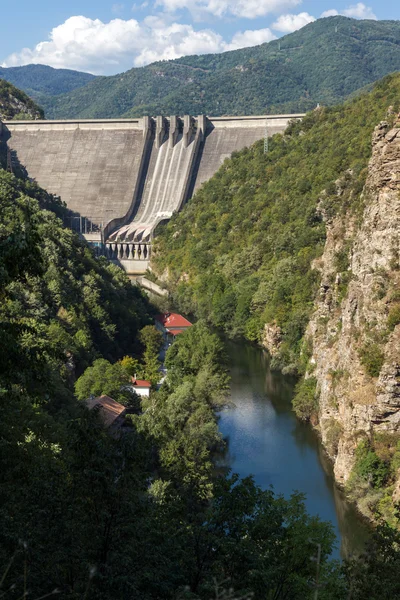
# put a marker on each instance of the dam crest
(121, 177)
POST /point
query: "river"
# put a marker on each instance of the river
(266, 440)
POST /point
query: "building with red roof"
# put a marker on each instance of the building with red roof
(141, 386)
(172, 321)
(171, 324)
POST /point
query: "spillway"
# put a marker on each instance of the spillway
(170, 170)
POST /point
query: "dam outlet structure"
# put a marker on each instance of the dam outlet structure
(120, 178)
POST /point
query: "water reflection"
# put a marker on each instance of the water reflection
(266, 440)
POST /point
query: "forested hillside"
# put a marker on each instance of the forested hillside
(240, 253)
(16, 104)
(41, 81)
(324, 62)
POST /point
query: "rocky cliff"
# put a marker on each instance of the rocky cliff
(16, 104)
(355, 329)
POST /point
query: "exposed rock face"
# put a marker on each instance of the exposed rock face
(353, 401)
(271, 338)
(13, 102)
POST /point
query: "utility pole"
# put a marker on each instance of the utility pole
(266, 139)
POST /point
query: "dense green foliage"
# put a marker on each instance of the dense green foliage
(181, 416)
(280, 76)
(16, 104)
(240, 253)
(141, 516)
(104, 378)
(373, 476)
(60, 306)
(373, 578)
(41, 81)
(305, 401)
(151, 340)
(369, 466)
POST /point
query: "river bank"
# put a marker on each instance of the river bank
(267, 440)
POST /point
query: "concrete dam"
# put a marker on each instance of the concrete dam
(121, 177)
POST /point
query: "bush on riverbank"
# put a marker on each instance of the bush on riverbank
(305, 400)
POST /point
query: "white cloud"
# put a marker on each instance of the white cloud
(330, 13)
(360, 11)
(104, 48)
(248, 9)
(249, 38)
(356, 11)
(290, 23)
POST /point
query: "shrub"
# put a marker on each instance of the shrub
(305, 401)
(372, 357)
(395, 464)
(341, 259)
(394, 317)
(369, 466)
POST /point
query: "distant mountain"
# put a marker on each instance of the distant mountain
(41, 81)
(325, 62)
(16, 104)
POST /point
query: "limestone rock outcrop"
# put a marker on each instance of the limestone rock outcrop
(271, 338)
(13, 102)
(354, 329)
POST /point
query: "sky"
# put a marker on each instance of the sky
(105, 37)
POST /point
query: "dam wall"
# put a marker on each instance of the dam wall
(225, 135)
(121, 177)
(94, 166)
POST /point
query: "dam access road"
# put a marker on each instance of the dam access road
(121, 177)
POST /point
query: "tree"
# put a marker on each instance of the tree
(104, 378)
(132, 366)
(152, 339)
(374, 575)
(198, 350)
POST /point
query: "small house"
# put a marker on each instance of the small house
(171, 325)
(112, 413)
(141, 386)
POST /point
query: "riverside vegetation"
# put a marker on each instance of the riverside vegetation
(242, 255)
(85, 515)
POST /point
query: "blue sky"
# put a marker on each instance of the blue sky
(105, 37)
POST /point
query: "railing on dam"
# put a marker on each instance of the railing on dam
(133, 257)
(127, 251)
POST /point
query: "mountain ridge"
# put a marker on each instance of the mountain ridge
(41, 81)
(284, 75)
